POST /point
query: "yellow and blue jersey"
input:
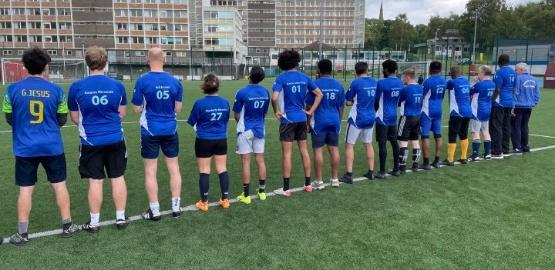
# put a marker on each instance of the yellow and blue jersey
(34, 104)
(505, 78)
(459, 97)
(410, 100)
(252, 103)
(157, 92)
(434, 92)
(481, 94)
(388, 92)
(326, 117)
(97, 98)
(209, 117)
(293, 87)
(362, 93)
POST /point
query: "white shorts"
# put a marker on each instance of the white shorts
(247, 143)
(477, 126)
(354, 134)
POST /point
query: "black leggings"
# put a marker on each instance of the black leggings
(458, 126)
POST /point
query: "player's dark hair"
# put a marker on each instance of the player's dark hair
(35, 60)
(435, 67)
(325, 67)
(361, 68)
(389, 66)
(288, 60)
(455, 72)
(211, 84)
(257, 74)
(504, 60)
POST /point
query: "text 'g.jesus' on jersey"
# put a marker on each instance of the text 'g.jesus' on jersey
(410, 100)
(459, 97)
(34, 104)
(97, 98)
(157, 92)
(293, 87)
(252, 103)
(326, 119)
(209, 117)
(387, 93)
(434, 91)
(481, 94)
(362, 93)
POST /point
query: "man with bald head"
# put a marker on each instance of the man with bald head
(158, 97)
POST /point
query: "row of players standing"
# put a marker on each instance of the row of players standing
(36, 108)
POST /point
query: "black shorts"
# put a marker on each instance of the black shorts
(458, 126)
(409, 128)
(98, 161)
(386, 133)
(151, 145)
(208, 148)
(293, 132)
(26, 169)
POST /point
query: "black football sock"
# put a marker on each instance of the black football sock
(403, 156)
(204, 185)
(246, 190)
(395, 146)
(415, 155)
(224, 184)
(307, 181)
(383, 155)
(285, 184)
(261, 186)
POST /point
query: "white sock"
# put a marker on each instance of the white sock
(120, 214)
(155, 208)
(95, 219)
(176, 204)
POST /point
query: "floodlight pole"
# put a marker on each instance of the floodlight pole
(473, 58)
(320, 56)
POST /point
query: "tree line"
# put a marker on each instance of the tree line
(496, 20)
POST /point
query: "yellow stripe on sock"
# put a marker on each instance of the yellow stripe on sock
(451, 152)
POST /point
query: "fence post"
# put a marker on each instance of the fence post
(333, 62)
(345, 64)
(311, 61)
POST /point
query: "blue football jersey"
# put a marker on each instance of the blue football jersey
(459, 97)
(505, 80)
(293, 87)
(97, 98)
(388, 92)
(326, 118)
(362, 93)
(252, 103)
(434, 91)
(410, 100)
(157, 92)
(209, 117)
(34, 103)
(481, 94)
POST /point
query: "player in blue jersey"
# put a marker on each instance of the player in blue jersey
(250, 108)
(503, 102)
(36, 109)
(288, 101)
(360, 96)
(209, 117)
(387, 99)
(158, 97)
(460, 115)
(97, 106)
(410, 102)
(325, 124)
(480, 95)
(430, 121)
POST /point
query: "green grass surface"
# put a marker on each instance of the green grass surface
(498, 214)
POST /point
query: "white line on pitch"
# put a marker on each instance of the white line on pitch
(192, 208)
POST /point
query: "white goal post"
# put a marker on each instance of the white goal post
(59, 70)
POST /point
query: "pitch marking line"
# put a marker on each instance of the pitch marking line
(192, 208)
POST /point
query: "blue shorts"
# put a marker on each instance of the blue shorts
(26, 169)
(430, 125)
(151, 145)
(322, 139)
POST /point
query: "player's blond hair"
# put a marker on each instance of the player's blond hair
(96, 58)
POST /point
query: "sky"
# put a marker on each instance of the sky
(420, 11)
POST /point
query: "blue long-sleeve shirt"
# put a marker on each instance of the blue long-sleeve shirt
(527, 92)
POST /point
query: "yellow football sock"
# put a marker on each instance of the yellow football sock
(451, 152)
(464, 148)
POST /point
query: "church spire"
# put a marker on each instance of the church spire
(381, 11)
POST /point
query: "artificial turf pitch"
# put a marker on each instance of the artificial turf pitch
(497, 214)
